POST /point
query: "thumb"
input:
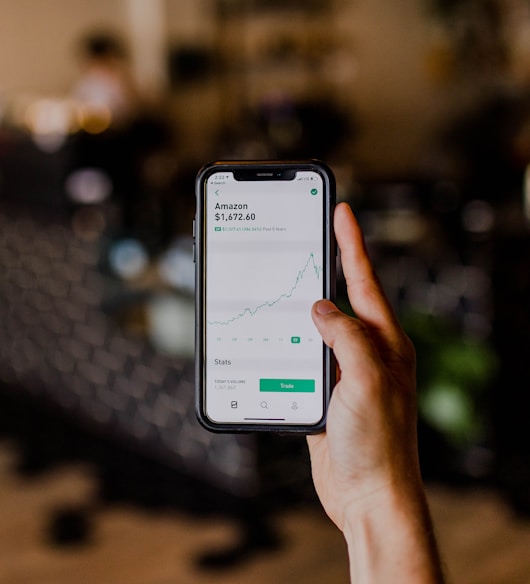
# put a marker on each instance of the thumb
(348, 337)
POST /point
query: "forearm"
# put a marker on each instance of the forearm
(390, 539)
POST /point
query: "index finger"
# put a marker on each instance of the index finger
(364, 290)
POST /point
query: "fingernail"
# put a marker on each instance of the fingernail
(325, 307)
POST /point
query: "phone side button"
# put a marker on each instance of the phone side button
(193, 251)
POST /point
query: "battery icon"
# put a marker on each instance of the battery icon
(217, 229)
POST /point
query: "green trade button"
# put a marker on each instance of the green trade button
(287, 385)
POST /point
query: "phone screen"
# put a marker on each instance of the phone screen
(265, 264)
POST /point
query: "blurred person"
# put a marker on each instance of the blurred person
(106, 87)
(120, 130)
(104, 158)
(365, 465)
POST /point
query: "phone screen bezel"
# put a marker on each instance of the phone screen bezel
(253, 171)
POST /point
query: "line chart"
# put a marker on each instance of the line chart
(310, 265)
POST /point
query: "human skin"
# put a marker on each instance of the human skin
(365, 465)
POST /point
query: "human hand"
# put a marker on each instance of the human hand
(365, 465)
(369, 448)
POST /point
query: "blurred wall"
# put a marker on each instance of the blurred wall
(391, 89)
(38, 41)
(397, 97)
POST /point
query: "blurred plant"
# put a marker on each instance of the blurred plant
(454, 375)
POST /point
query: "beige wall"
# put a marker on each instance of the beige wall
(391, 89)
(38, 41)
(397, 98)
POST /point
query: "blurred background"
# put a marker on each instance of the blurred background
(107, 110)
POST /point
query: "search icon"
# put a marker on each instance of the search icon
(264, 405)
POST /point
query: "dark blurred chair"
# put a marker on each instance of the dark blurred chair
(63, 357)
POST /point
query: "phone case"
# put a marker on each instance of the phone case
(260, 170)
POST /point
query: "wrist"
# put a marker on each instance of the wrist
(390, 537)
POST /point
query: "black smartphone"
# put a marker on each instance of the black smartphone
(265, 252)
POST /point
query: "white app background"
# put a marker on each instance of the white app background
(264, 248)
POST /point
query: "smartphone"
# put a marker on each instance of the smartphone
(265, 252)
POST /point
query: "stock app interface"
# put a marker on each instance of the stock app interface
(264, 258)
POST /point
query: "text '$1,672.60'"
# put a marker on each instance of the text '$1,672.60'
(235, 216)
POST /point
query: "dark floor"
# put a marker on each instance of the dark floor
(481, 541)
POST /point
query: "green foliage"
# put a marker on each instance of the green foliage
(454, 374)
